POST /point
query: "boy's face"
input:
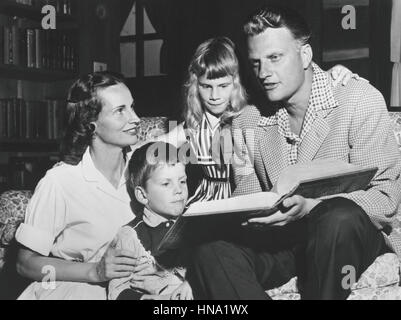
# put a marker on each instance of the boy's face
(166, 190)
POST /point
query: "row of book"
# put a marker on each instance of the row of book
(37, 48)
(62, 6)
(22, 119)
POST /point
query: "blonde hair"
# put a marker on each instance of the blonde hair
(214, 58)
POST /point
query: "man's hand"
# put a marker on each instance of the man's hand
(294, 208)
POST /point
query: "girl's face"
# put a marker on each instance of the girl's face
(117, 123)
(215, 94)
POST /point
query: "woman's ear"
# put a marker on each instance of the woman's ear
(307, 55)
(93, 127)
(141, 195)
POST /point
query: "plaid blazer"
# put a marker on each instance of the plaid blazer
(355, 129)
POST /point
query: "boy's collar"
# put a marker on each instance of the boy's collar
(153, 219)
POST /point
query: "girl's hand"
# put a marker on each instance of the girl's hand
(339, 73)
(183, 292)
(114, 264)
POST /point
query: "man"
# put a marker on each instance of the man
(311, 238)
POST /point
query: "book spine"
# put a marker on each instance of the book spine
(7, 45)
(15, 44)
(30, 48)
(1, 44)
(28, 120)
(38, 47)
(10, 119)
(3, 118)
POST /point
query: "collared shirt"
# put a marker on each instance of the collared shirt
(153, 220)
(151, 228)
(75, 212)
(321, 98)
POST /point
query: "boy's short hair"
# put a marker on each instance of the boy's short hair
(147, 159)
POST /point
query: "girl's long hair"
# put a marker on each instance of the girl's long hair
(214, 58)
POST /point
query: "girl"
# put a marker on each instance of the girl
(213, 96)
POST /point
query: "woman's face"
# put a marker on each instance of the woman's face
(117, 123)
(215, 94)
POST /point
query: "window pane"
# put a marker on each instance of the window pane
(128, 59)
(152, 57)
(147, 25)
(129, 28)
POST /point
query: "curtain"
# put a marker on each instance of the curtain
(125, 9)
(396, 53)
(158, 13)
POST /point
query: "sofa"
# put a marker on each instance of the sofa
(381, 281)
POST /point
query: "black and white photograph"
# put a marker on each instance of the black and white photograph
(200, 150)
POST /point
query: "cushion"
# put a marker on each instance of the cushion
(151, 127)
(12, 213)
(396, 122)
(383, 273)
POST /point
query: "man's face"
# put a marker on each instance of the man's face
(279, 61)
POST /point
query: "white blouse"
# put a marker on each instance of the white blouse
(75, 213)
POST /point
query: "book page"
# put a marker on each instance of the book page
(250, 202)
(324, 177)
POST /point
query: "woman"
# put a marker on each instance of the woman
(77, 208)
(213, 96)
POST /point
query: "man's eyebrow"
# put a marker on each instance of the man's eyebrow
(118, 107)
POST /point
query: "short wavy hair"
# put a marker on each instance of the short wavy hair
(83, 108)
(144, 161)
(215, 58)
(278, 17)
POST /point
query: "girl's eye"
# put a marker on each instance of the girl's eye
(275, 58)
(184, 182)
(165, 184)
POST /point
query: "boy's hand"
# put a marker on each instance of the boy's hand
(294, 208)
(183, 292)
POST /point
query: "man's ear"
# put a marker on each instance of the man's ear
(306, 55)
(141, 195)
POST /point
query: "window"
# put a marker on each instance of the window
(140, 45)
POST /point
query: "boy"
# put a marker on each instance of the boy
(157, 184)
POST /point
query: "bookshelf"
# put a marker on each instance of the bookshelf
(36, 68)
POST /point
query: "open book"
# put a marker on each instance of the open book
(314, 179)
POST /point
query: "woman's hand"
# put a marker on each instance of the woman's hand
(183, 292)
(341, 74)
(156, 297)
(294, 208)
(114, 264)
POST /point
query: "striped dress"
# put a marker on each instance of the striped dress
(215, 183)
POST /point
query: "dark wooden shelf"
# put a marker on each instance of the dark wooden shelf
(25, 73)
(31, 12)
(28, 145)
